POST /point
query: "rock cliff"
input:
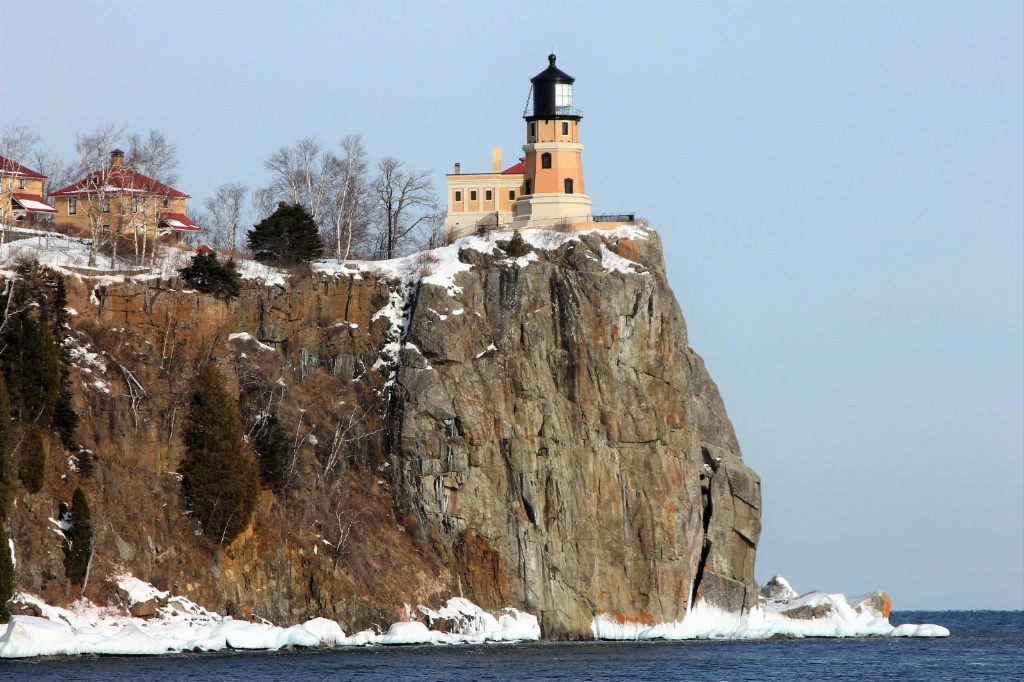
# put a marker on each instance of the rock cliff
(529, 431)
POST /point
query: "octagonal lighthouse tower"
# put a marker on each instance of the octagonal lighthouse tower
(552, 191)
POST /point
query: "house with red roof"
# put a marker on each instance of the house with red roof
(482, 199)
(118, 201)
(21, 195)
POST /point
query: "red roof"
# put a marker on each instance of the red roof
(517, 169)
(178, 221)
(121, 179)
(11, 168)
(33, 203)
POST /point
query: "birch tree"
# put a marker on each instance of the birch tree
(306, 174)
(352, 206)
(225, 211)
(91, 151)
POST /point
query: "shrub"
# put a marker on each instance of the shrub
(32, 465)
(78, 540)
(219, 476)
(211, 276)
(287, 236)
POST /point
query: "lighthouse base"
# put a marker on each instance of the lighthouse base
(545, 210)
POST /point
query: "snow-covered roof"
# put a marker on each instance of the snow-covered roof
(179, 222)
(34, 203)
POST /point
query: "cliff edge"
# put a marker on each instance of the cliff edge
(527, 430)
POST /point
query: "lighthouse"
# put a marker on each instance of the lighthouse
(552, 191)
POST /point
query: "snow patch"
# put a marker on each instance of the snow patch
(245, 336)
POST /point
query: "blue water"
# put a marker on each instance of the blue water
(984, 645)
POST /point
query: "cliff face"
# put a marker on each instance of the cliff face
(531, 432)
(567, 444)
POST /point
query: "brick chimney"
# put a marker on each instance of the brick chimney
(495, 159)
(117, 158)
(458, 168)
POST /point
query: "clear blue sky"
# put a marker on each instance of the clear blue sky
(838, 186)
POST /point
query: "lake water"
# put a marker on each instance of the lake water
(984, 645)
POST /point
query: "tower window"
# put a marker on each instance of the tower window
(565, 127)
(568, 185)
(511, 195)
(545, 160)
(458, 195)
(487, 195)
(533, 130)
(529, 187)
(472, 195)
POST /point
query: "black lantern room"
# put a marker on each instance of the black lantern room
(552, 94)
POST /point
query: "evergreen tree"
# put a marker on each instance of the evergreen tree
(289, 235)
(271, 446)
(32, 464)
(7, 469)
(211, 276)
(517, 246)
(219, 476)
(65, 419)
(6, 574)
(31, 365)
(78, 539)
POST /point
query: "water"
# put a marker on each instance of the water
(984, 645)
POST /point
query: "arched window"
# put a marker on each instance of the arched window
(545, 160)
(568, 185)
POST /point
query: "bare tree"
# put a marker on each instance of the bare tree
(225, 211)
(352, 205)
(17, 141)
(305, 174)
(405, 200)
(154, 157)
(152, 161)
(91, 151)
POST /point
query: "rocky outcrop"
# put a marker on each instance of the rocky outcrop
(531, 432)
(565, 446)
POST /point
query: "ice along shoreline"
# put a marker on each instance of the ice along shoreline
(178, 625)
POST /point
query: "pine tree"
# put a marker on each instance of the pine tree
(32, 463)
(78, 539)
(211, 276)
(219, 476)
(65, 419)
(6, 574)
(517, 246)
(287, 236)
(30, 362)
(271, 446)
(7, 469)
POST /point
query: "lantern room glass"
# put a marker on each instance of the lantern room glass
(563, 96)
